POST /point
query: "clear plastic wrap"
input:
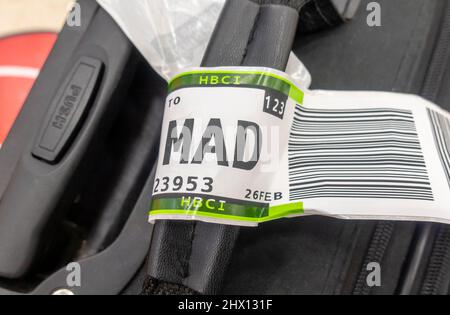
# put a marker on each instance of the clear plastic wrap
(173, 34)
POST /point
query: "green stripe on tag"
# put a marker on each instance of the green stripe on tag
(221, 209)
(211, 205)
(223, 78)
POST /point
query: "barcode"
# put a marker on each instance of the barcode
(441, 130)
(357, 153)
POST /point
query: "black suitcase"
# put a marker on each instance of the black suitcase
(408, 53)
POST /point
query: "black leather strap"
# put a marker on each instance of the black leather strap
(196, 254)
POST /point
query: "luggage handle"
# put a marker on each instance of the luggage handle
(46, 178)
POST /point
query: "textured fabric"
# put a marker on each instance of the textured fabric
(156, 287)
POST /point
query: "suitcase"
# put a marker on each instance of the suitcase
(318, 255)
(89, 195)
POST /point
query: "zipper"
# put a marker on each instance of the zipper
(437, 275)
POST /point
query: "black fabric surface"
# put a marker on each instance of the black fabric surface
(156, 287)
(318, 255)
